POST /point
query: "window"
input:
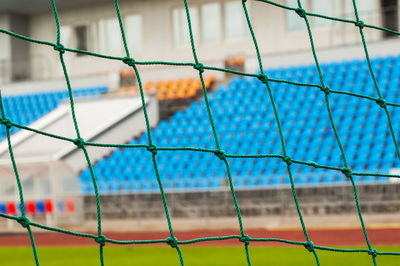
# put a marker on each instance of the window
(234, 20)
(77, 37)
(110, 37)
(180, 25)
(390, 16)
(294, 21)
(81, 38)
(211, 22)
(327, 8)
(133, 32)
(365, 9)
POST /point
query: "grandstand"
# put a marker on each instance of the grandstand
(245, 123)
(26, 108)
(156, 116)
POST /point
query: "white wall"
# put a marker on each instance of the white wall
(269, 24)
(5, 51)
(14, 53)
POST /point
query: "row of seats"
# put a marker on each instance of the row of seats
(171, 89)
(26, 108)
(185, 184)
(178, 89)
(245, 123)
(235, 63)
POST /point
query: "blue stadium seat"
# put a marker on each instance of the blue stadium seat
(328, 179)
(245, 123)
(369, 179)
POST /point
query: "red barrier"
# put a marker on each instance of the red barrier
(49, 206)
(40, 207)
(11, 208)
(70, 205)
(31, 207)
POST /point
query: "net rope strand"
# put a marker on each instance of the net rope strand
(172, 241)
(79, 142)
(22, 220)
(218, 152)
(264, 79)
(346, 170)
(380, 101)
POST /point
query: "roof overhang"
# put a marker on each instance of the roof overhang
(28, 7)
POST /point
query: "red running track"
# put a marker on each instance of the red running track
(328, 237)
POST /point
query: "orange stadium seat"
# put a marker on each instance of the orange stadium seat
(179, 82)
(239, 60)
(177, 89)
(161, 97)
(159, 84)
(148, 86)
(168, 83)
(131, 73)
(122, 90)
(124, 73)
(230, 61)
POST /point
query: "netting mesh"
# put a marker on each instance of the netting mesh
(218, 152)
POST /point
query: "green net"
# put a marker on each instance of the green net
(219, 153)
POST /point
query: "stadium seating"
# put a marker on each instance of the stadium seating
(25, 109)
(168, 90)
(245, 124)
(177, 89)
(235, 63)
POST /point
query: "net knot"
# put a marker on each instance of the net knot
(359, 24)
(172, 241)
(309, 246)
(129, 61)
(301, 12)
(287, 160)
(313, 164)
(79, 142)
(263, 78)
(381, 102)
(23, 221)
(220, 154)
(326, 89)
(6, 122)
(152, 149)
(101, 240)
(199, 67)
(373, 252)
(60, 48)
(245, 239)
(347, 172)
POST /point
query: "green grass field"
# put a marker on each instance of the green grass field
(192, 255)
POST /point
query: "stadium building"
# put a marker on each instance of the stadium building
(215, 115)
(158, 31)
